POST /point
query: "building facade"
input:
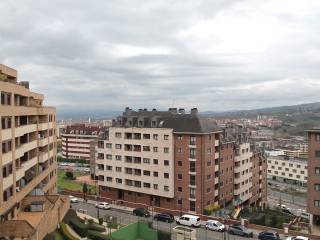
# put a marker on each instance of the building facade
(76, 139)
(27, 157)
(171, 160)
(288, 170)
(314, 175)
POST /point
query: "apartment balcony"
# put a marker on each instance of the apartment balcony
(43, 141)
(43, 126)
(7, 158)
(217, 168)
(51, 153)
(216, 143)
(216, 180)
(6, 134)
(216, 193)
(22, 130)
(8, 181)
(43, 156)
(216, 155)
(50, 125)
(192, 146)
(192, 197)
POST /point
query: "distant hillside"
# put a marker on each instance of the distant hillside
(296, 118)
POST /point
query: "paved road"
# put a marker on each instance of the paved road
(295, 201)
(127, 218)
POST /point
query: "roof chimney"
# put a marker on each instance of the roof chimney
(182, 111)
(194, 111)
(173, 110)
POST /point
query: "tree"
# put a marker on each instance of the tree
(85, 191)
(69, 175)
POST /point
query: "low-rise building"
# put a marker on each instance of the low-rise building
(76, 139)
(288, 170)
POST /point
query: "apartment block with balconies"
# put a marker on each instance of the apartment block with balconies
(28, 144)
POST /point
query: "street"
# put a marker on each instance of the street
(124, 217)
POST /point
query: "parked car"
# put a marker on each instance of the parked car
(303, 214)
(215, 226)
(268, 235)
(103, 205)
(164, 217)
(297, 238)
(141, 212)
(73, 199)
(189, 220)
(240, 230)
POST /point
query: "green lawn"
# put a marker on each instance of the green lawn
(66, 183)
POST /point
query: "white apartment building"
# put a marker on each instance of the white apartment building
(138, 160)
(243, 174)
(289, 170)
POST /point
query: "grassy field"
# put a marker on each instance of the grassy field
(66, 183)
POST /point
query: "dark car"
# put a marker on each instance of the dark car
(141, 212)
(240, 230)
(267, 235)
(164, 217)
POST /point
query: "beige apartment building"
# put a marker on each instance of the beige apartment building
(288, 170)
(28, 152)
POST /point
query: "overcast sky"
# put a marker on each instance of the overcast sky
(214, 55)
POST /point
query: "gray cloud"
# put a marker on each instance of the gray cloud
(217, 55)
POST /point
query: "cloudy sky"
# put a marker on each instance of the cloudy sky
(211, 54)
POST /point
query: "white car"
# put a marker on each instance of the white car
(215, 226)
(189, 220)
(73, 199)
(103, 205)
(297, 238)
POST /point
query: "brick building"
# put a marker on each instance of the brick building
(314, 175)
(172, 160)
(76, 139)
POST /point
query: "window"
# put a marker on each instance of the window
(209, 150)
(192, 140)
(109, 156)
(146, 185)
(317, 187)
(179, 189)
(146, 136)
(209, 177)
(155, 186)
(209, 163)
(192, 206)
(146, 148)
(146, 173)
(317, 170)
(179, 176)
(192, 166)
(317, 154)
(155, 149)
(166, 162)
(155, 161)
(166, 150)
(118, 157)
(166, 175)
(109, 168)
(192, 153)
(179, 150)
(109, 179)
(100, 156)
(317, 203)
(155, 174)
(166, 137)
(118, 180)
(155, 136)
(180, 137)
(179, 163)
(118, 146)
(109, 145)
(118, 169)
(118, 134)
(146, 160)
(317, 137)
(166, 188)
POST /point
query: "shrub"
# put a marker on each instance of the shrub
(94, 235)
(96, 227)
(164, 235)
(100, 221)
(210, 209)
(69, 175)
(79, 227)
(65, 232)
